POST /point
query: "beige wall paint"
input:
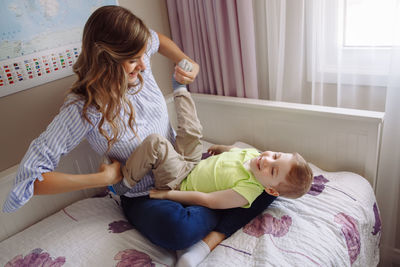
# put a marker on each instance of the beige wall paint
(24, 115)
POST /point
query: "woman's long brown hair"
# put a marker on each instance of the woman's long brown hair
(111, 36)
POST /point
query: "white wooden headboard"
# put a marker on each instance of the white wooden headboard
(333, 139)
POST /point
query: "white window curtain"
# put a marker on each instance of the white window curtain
(302, 57)
(298, 59)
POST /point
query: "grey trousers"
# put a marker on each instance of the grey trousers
(170, 164)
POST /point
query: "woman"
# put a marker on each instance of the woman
(115, 104)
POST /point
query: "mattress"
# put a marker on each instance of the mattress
(336, 223)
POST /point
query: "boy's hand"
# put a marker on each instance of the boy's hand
(218, 149)
(159, 194)
(111, 172)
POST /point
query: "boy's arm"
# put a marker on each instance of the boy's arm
(225, 199)
(218, 149)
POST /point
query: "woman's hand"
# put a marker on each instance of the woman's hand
(111, 172)
(186, 77)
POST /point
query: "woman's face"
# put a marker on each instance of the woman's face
(134, 65)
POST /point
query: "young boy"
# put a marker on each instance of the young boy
(235, 177)
(231, 178)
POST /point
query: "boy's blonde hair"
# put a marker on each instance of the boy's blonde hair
(299, 179)
(111, 35)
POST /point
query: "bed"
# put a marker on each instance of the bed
(336, 223)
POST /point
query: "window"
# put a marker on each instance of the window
(368, 23)
(354, 40)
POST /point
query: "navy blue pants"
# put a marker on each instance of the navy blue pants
(174, 226)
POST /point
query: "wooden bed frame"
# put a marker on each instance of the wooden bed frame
(334, 139)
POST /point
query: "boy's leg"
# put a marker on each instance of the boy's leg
(156, 153)
(189, 130)
(170, 166)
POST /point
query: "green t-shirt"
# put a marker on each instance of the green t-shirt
(225, 171)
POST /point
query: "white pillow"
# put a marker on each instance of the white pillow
(238, 144)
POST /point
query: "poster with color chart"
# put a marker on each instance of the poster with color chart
(40, 40)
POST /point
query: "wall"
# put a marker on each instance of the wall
(24, 115)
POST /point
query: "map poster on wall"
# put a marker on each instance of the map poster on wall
(40, 40)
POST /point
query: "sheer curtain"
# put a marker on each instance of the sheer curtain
(305, 56)
(389, 168)
(298, 59)
(219, 36)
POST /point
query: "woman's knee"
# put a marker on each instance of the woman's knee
(171, 225)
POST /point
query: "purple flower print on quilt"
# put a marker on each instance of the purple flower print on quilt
(133, 258)
(378, 223)
(117, 227)
(318, 185)
(36, 258)
(350, 233)
(267, 224)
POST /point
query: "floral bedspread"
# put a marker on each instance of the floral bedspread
(90, 232)
(336, 224)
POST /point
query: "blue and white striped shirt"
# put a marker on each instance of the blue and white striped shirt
(69, 128)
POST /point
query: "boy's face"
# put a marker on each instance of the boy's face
(271, 168)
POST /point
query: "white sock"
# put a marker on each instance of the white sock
(193, 255)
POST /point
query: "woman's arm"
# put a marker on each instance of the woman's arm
(170, 50)
(224, 199)
(57, 182)
(62, 135)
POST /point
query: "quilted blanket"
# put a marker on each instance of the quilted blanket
(336, 223)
